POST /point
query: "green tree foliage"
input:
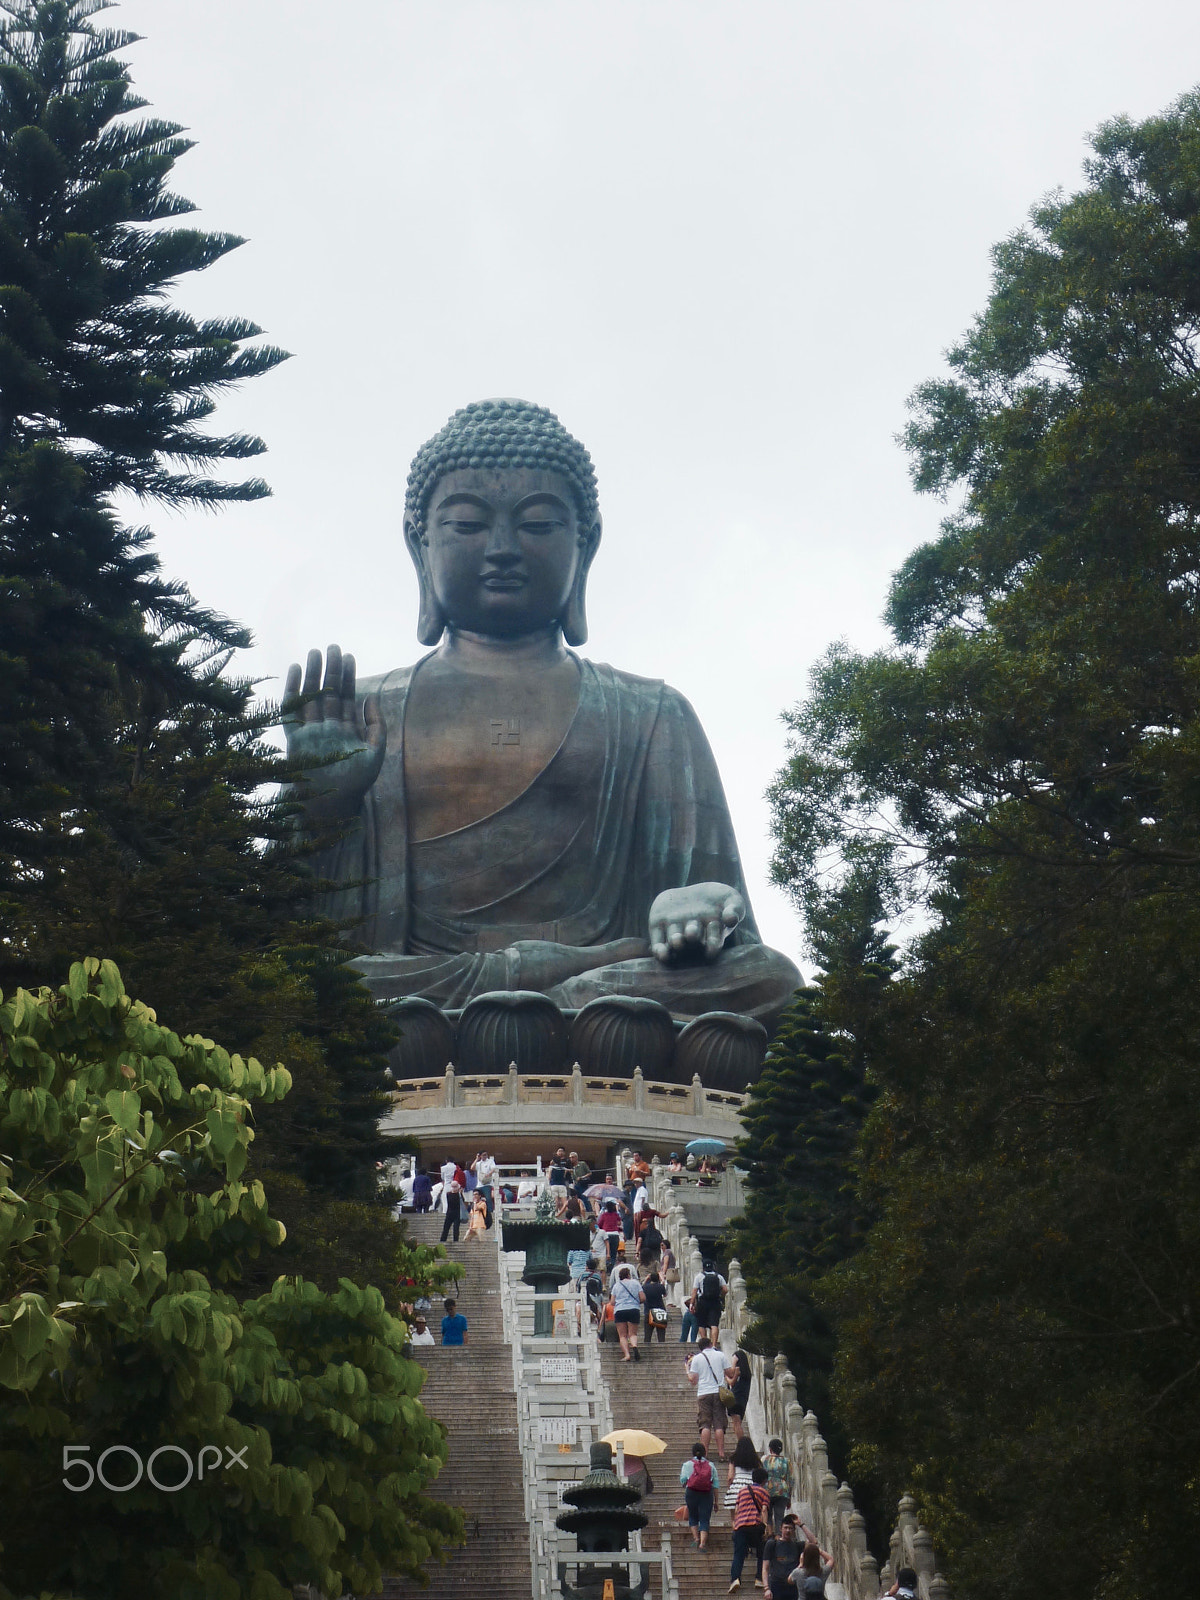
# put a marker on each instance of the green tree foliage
(104, 387)
(133, 762)
(1017, 1338)
(125, 1204)
(803, 1120)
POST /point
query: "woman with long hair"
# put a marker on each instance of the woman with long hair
(741, 1465)
(816, 1566)
(737, 1376)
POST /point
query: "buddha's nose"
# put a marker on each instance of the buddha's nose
(503, 547)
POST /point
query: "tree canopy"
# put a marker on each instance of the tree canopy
(125, 1204)
(140, 815)
(1015, 1339)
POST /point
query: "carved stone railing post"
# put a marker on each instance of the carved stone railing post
(698, 1100)
(639, 1090)
(923, 1558)
(448, 1095)
(737, 1307)
(576, 1085)
(512, 1089)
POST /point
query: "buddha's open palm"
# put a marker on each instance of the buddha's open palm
(322, 725)
(698, 916)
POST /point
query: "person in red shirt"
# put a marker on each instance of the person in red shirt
(610, 1221)
(749, 1525)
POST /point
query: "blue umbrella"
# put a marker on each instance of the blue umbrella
(706, 1147)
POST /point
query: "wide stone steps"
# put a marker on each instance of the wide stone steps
(654, 1394)
(470, 1391)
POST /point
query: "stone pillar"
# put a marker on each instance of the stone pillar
(639, 1090)
(923, 1557)
(448, 1095)
(512, 1090)
(576, 1085)
(699, 1105)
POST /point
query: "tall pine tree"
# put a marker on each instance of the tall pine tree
(133, 761)
(803, 1120)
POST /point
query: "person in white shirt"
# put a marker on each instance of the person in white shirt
(484, 1168)
(447, 1178)
(405, 1203)
(640, 1198)
(706, 1370)
(420, 1334)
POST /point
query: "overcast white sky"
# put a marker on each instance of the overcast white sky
(723, 241)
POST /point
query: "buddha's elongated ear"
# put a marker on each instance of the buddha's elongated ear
(574, 622)
(431, 619)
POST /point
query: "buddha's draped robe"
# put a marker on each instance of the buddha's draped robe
(630, 804)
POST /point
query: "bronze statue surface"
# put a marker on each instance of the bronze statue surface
(521, 817)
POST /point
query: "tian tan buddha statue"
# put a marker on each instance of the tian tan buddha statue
(522, 818)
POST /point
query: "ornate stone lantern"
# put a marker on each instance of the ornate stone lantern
(603, 1521)
(545, 1243)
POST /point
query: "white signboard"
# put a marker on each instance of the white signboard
(558, 1430)
(560, 1369)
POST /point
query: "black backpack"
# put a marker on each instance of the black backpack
(813, 1587)
(710, 1286)
(651, 1237)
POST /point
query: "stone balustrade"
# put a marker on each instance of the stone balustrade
(833, 1517)
(912, 1546)
(575, 1088)
(524, 1107)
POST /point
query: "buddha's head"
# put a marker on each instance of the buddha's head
(502, 521)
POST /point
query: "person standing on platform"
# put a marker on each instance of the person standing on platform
(453, 1211)
(484, 1168)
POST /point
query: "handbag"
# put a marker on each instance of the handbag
(658, 1316)
(726, 1396)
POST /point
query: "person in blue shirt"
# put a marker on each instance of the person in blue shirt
(454, 1325)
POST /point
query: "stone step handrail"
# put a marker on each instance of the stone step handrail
(833, 1517)
(586, 1401)
(453, 1088)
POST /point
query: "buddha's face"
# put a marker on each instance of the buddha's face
(502, 549)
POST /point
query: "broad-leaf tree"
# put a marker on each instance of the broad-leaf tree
(291, 1420)
(1017, 1339)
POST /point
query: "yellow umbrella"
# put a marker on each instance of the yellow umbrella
(635, 1442)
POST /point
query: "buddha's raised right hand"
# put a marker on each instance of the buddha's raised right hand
(341, 755)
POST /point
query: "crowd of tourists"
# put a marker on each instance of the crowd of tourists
(625, 1274)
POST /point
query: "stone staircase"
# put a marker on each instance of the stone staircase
(470, 1391)
(654, 1393)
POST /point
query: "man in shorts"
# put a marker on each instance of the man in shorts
(706, 1370)
(709, 1296)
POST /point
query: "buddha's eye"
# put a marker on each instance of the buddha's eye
(465, 525)
(539, 526)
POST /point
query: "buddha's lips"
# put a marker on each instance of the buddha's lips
(495, 581)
